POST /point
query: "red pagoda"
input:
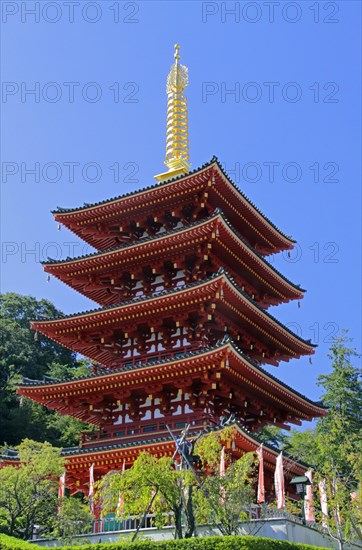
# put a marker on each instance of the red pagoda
(183, 329)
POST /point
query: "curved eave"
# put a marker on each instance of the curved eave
(245, 373)
(263, 227)
(219, 287)
(78, 218)
(111, 457)
(270, 453)
(245, 442)
(81, 458)
(103, 262)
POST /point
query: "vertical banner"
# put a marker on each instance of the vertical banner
(91, 489)
(323, 500)
(261, 488)
(308, 499)
(222, 473)
(279, 482)
(61, 490)
(222, 462)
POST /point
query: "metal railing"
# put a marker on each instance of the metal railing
(110, 524)
(258, 513)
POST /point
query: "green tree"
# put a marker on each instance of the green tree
(157, 485)
(334, 448)
(224, 498)
(23, 354)
(28, 492)
(151, 484)
(273, 435)
(73, 519)
(341, 429)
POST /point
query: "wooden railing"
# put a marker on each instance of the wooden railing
(149, 358)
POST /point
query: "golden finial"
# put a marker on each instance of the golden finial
(177, 134)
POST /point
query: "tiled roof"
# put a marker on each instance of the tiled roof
(219, 344)
(214, 160)
(121, 445)
(10, 455)
(168, 438)
(221, 271)
(69, 451)
(217, 211)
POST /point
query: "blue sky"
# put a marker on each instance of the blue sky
(274, 93)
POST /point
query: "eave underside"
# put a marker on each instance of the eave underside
(98, 276)
(213, 304)
(216, 381)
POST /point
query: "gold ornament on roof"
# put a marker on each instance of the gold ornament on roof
(177, 133)
(178, 77)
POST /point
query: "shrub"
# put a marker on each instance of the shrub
(201, 543)
(205, 543)
(11, 543)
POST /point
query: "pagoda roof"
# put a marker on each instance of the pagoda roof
(246, 441)
(133, 253)
(270, 235)
(220, 286)
(108, 458)
(224, 357)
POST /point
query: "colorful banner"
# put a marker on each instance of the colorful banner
(279, 482)
(222, 462)
(308, 499)
(261, 488)
(222, 474)
(61, 490)
(91, 489)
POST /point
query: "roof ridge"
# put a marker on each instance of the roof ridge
(61, 210)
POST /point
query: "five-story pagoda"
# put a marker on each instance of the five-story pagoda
(182, 330)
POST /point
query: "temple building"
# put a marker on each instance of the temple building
(181, 330)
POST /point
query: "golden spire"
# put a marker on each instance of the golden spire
(177, 136)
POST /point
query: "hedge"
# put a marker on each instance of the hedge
(11, 543)
(201, 543)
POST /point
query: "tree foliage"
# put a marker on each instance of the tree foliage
(28, 492)
(73, 519)
(334, 448)
(149, 479)
(273, 435)
(23, 354)
(158, 485)
(226, 500)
